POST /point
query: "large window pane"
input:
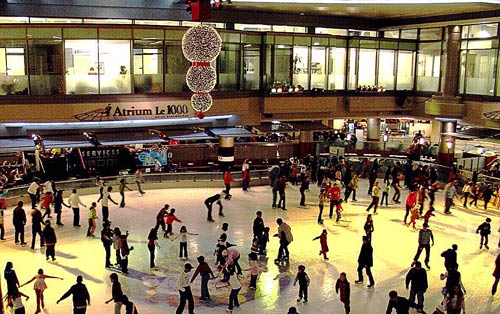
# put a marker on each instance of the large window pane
(45, 67)
(301, 66)
(405, 74)
(428, 67)
(336, 68)
(282, 64)
(229, 67)
(177, 66)
(479, 72)
(13, 78)
(148, 66)
(251, 67)
(353, 78)
(114, 67)
(366, 72)
(318, 70)
(461, 82)
(482, 30)
(386, 69)
(82, 66)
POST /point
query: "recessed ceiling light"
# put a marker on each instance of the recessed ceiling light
(301, 13)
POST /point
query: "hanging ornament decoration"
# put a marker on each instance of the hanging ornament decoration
(201, 45)
(201, 102)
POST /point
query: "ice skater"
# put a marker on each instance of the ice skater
(81, 296)
(321, 205)
(49, 236)
(484, 230)
(39, 287)
(324, 244)
(152, 245)
(411, 200)
(417, 276)
(303, 279)
(205, 273)
(169, 221)
(425, 241)
(338, 210)
(121, 188)
(400, 304)
(74, 202)
(235, 285)
(385, 193)
(286, 237)
(375, 193)
(254, 270)
(106, 197)
(58, 204)
(36, 227)
(209, 203)
(228, 178)
(139, 180)
(342, 285)
(92, 216)
(369, 227)
(48, 200)
(160, 218)
(415, 214)
(496, 274)
(116, 293)
(184, 287)
(183, 233)
(365, 260)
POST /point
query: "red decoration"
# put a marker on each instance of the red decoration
(201, 10)
(201, 115)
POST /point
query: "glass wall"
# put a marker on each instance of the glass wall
(301, 66)
(82, 66)
(283, 63)
(228, 67)
(428, 66)
(386, 69)
(405, 73)
(353, 77)
(148, 66)
(177, 67)
(251, 67)
(336, 68)
(13, 78)
(366, 67)
(45, 67)
(318, 69)
(114, 67)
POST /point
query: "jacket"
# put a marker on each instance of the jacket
(366, 255)
(418, 279)
(285, 230)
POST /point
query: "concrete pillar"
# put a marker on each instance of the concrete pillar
(446, 151)
(435, 131)
(373, 130)
(450, 88)
(306, 144)
(226, 152)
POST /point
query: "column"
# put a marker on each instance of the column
(306, 144)
(226, 152)
(446, 153)
(373, 130)
(450, 88)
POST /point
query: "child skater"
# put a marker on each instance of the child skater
(254, 270)
(339, 210)
(324, 245)
(385, 194)
(39, 287)
(170, 220)
(48, 200)
(415, 214)
(265, 239)
(183, 233)
(304, 281)
(428, 214)
(17, 302)
(343, 286)
(484, 230)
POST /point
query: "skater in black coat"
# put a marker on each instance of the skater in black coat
(484, 230)
(400, 304)
(365, 260)
(210, 201)
(417, 276)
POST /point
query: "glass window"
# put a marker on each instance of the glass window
(148, 66)
(114, 67)
(289, 29)
(42, 20)
(408, 34)
(301, 66)
(405, 75)
(269, 64)
(250, 76)
(386, 69)
(481, 31)
(45, 67)
(366, 66)
(318, 69)
(479, 72)
(355, 32)
(353, 78)
(252, 27)
(165, 23)
(82, 66)
(283, 64)
(431, 33)
(461, 82)
(107, 21)
(177, 67)
(229, 66)
(479, 44)
(13, 78)
(212, 24)
(331, 31)
(13, 20)
(391, 34)
(428, 66)
(336, 68)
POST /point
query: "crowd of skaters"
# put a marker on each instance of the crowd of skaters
(420, 184)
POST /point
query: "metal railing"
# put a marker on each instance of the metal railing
(68, 185)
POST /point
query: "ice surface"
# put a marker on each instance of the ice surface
(154, 291)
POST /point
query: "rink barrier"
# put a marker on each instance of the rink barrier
(151, 181)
